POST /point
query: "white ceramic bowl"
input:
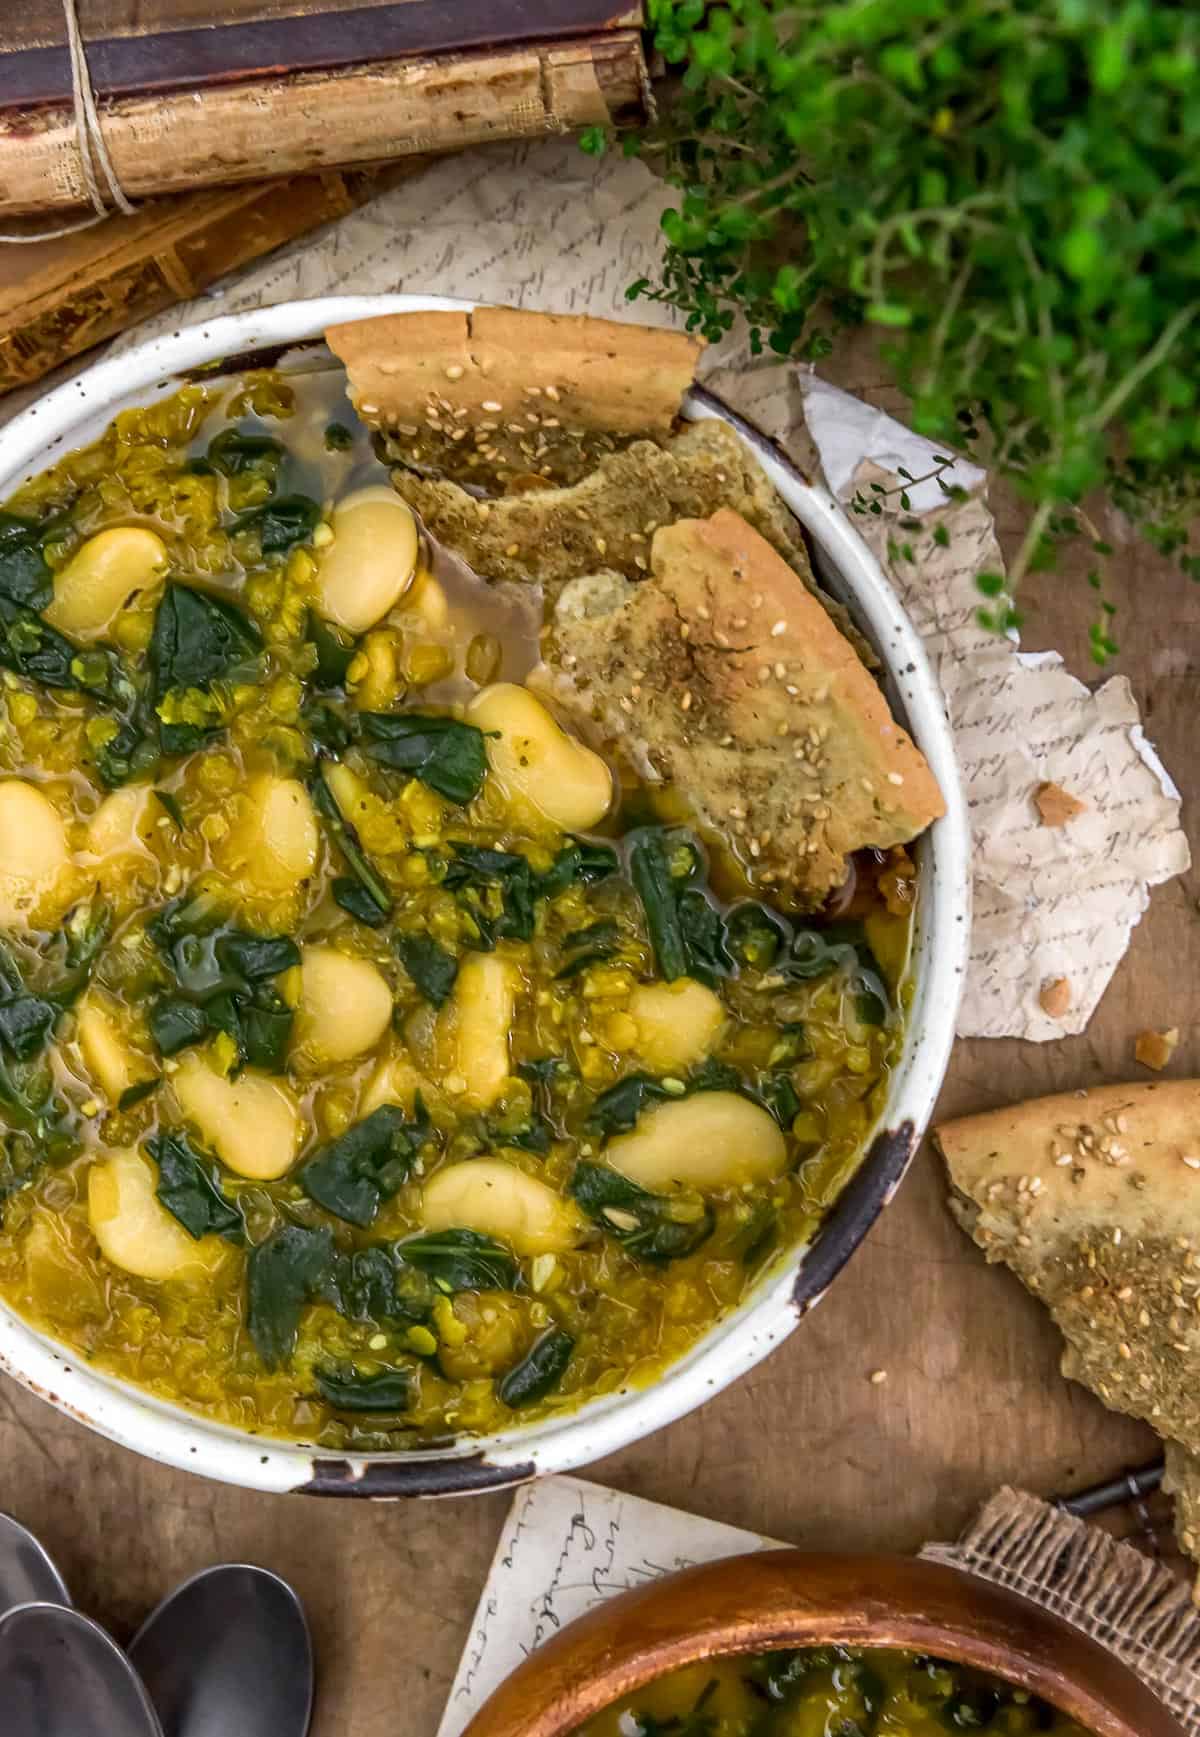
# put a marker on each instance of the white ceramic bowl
(75, 414)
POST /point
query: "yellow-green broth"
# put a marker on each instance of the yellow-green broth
(828, 1692)
(429, 1354)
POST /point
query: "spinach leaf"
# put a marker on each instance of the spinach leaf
(461, 1260)
(373, 885)
(171, 804)
(703, 937)
(539, 1371)
(28, 1017)
(431, 968)
(261, 1026)
(653, 880)
(532, 1132)
(443, 753)
(357, 902)
(134, 1094)
(331, 731)
(175, 1023)
(335, 649)
(190, 1190)
(658, 1227)
(497, 889)
(338, 438)
(198, 639)
(593, 945)
(779, 1095)
(235, 454)
(362, 1285)
(26, 1022)
(255, 957)
(280, 523)
(347, 1390)
(30, 647)
(354, 1174)
(579, 861)
(25, 576)
(283, 1274)
(616, 1110)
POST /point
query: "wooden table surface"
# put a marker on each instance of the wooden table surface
(805, 1447)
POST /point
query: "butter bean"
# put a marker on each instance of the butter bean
(135, 1231)
(534, 762)
(708, 1140)
(251, 1123)
(477, 1019)
(677, 1023)
(345, 1006)
(101, 577)
(496, 1199)
(274, 840)
(36, 867)
(370, 563)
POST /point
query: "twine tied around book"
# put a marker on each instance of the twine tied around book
(92, 149)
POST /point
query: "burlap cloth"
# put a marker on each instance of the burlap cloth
(1135, 1607)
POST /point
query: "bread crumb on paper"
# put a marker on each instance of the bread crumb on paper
(1055, 805)
(1055, 996)
(1154, 1049)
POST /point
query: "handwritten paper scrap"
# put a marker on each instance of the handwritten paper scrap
(542, 225)
(1050, 901)
(566, 1547)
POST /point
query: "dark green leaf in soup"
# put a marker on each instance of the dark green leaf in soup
(703, 937)
(26, 1022)
(198, 639)
(330, 731)
(578, 862)
(347, 1390)
(657, 1227)
(135, 1094)
(281, 523)
(361, 1285)
(261, 1026)
(235, 454)
(190, 1189)
(256, 956)
(539, 1371)
(338, 438)
(461, 1260)
(171, 805)
(25, 575)
(431, 968)
(354, 1174)
(496, 888)
(616, 1110)
(779, 1095)
(283, 1274)
(175, 1023)
(374, 887)
(685, 930)
(353, 898)
(449, 756)
(335, 649)
(754, 935)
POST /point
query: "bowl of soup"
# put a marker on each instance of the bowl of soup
(401, 1091)
(787, 1644)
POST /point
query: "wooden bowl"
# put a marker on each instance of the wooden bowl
(787, 1598)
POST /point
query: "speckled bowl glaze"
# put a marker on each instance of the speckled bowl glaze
(290, 335)
(787, 1598)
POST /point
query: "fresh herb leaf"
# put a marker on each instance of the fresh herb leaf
(539, 1371)
(347, 1390)
(190, 1190)
(447, 755)
(346, 838)
(656, 1227)
(430, 966)
(171, 804)
(461, 1260)
(283, 1274)
(338, 438)
(235, 454)
(354, 1174)
(134, 1095)
(281, 523)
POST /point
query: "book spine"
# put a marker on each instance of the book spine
(126, 269)
(228, 134)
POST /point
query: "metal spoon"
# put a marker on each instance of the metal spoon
(27, 1573)
(228, 1651)
(60, 1672)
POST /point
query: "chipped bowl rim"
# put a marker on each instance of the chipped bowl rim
(75, 413)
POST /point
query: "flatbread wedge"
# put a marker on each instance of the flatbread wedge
(720, 675)
(499, 395)
(1093, 1199)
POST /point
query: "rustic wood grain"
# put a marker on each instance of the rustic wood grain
(805, 1447)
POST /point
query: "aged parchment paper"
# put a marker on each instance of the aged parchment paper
(541, 225)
